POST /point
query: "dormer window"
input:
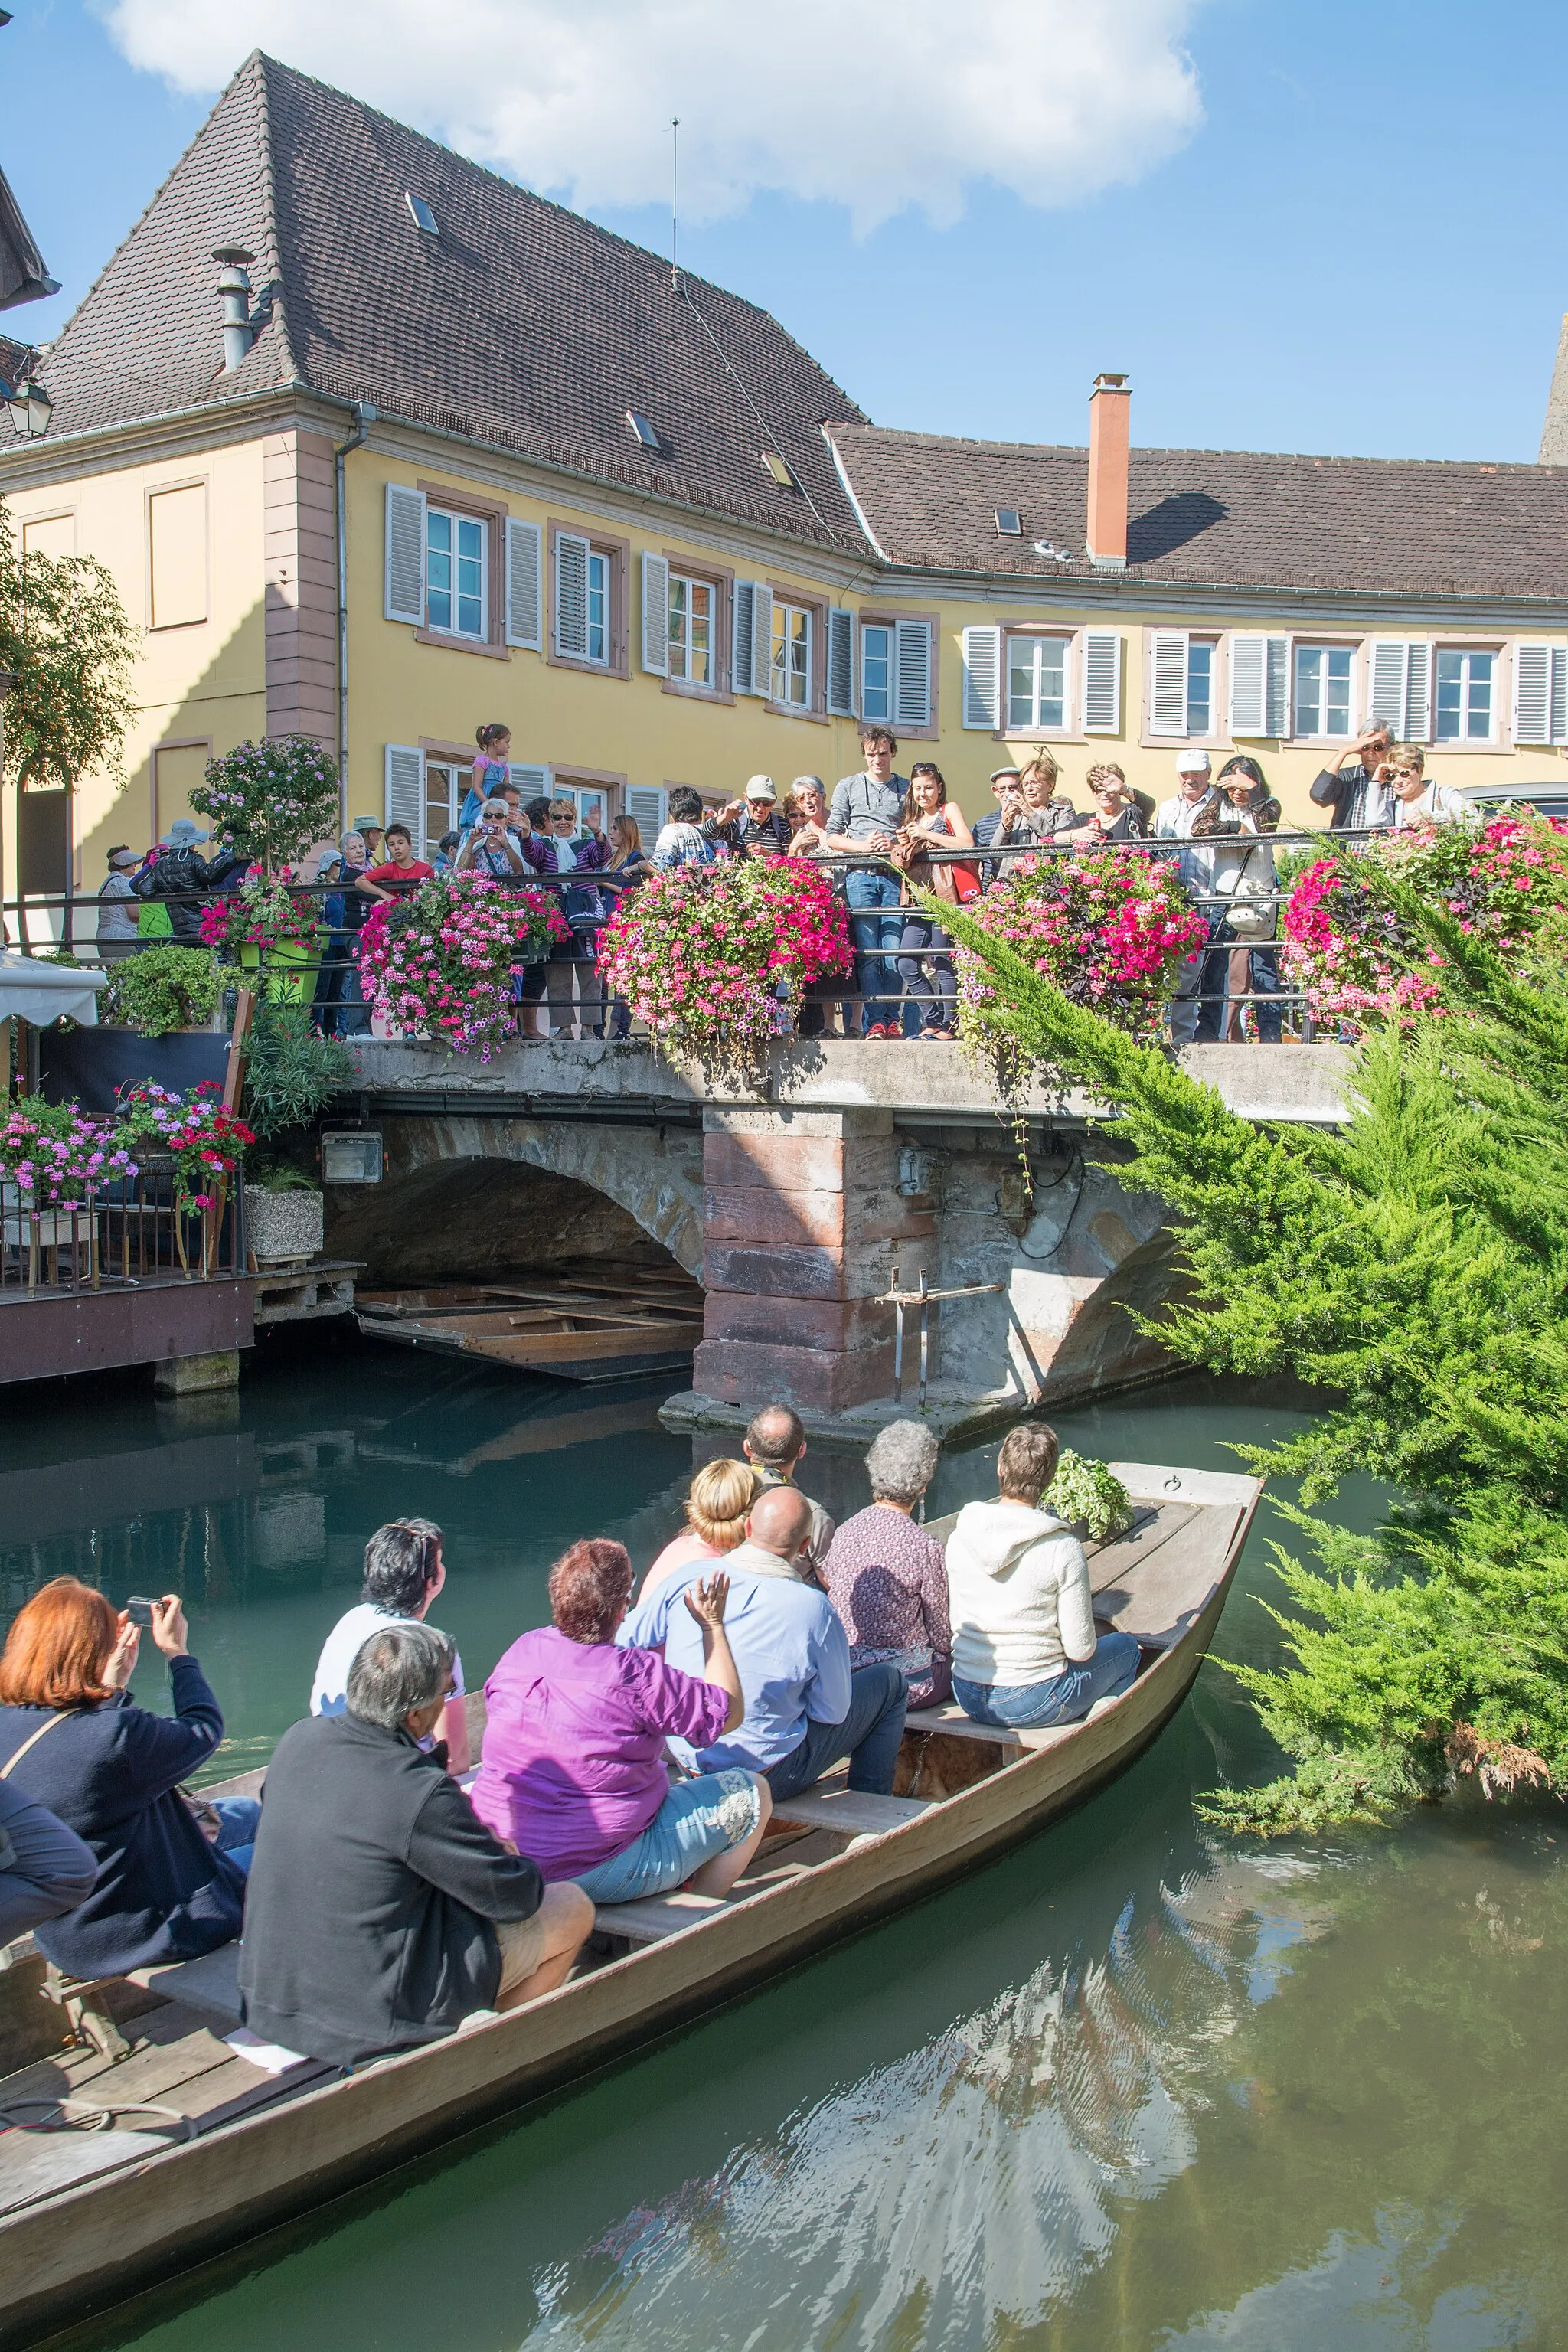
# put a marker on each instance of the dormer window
(419, 212)
(774, 465)
(645, 430)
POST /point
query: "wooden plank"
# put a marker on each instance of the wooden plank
(579, 1347)
(1109, 1562)
(1161, 1597)
(852, 1813)
(239, 2088)
(951, 1718)
(656, 1917)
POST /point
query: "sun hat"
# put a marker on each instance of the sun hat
(184, 834)
(761, 788)
(367, 824)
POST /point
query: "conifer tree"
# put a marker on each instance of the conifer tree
(1411, 1264)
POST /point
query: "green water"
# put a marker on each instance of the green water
(1125, 2088)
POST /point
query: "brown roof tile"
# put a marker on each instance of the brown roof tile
(1218, 518)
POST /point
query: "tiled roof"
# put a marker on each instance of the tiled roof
(521, 323)
(1219, 516)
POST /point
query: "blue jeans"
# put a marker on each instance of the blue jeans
(868, 1735)
(876, 927)
(699, 1821)
(1265, 976)
(240, 1817)
(925, 941)
(1066, 1698)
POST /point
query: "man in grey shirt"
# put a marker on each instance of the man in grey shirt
(1359, 794)
(866, 814)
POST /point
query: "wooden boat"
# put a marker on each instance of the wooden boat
(594, 1320)
(88, 2219)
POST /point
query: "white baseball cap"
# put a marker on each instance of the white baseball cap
(761, 788)
(1192, 763)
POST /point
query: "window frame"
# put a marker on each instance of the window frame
(815, 707)
(456, 517)
(887, 617)
(460, 500)
(1501, 696)
(619, 552)
(1068, 638)
(722, 582)
(1331, 641)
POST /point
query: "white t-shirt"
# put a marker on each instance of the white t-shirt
(343, 1646)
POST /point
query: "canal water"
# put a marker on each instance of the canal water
(1132, 2087)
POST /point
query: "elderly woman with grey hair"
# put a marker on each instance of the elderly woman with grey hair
(887, 1578)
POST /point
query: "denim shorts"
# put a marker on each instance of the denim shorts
(696, 1821)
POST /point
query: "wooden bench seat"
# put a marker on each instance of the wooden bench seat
(851, 1812)
(657, 1915)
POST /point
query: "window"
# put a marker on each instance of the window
(455, 574)
(790, 681)
(643, 428)
(774, 465)
(877, 673)
(51, 535)
(1037, 683)
(692, 609)
(421, 214)
(1464, 697)
(1009, 524)
(598, 606)
(1200, 686)
(445, 789)
(1323, 690)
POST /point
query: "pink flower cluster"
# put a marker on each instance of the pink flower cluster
(202, 1138)
(718, 956)
(57, 1156)
(257, 915)
(441, 964)
(1358, 960)
(1110, 928)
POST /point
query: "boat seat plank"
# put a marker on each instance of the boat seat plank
(854, 1812)
(1109, 1562)
(655, 1916)
(210, 1986)
(1159, 1598)
(953, 1723)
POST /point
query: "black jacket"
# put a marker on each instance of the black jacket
(367, 1924)
(110, 1772)
(44, 1868)
(1344, 791)
(175, 872)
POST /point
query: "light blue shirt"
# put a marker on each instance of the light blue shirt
(790, 1650)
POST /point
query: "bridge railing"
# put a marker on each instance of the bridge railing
(135, 1235)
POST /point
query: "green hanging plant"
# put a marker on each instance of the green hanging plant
(163, 988)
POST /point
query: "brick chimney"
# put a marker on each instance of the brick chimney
(1108, 407)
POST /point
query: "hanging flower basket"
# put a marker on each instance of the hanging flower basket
(442, 962)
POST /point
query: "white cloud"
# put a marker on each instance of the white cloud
(877, 105)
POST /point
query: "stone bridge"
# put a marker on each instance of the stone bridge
(798, 1202)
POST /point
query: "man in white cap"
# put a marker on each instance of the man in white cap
(1188, 817)
(752, 826)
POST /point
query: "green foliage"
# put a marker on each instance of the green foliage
(1413, 1265)
(271, 799)
(1091, 1492)
(162, 988)
(65, 637)
(291, 1074)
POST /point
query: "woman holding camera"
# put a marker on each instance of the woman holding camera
(1245, 871)
(171, 1869)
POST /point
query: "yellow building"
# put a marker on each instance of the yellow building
(380, 447)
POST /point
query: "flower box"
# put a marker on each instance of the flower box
(279, 1226)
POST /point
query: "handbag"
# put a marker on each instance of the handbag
(1249, 909)
(202, 1811)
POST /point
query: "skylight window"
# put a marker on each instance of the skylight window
(423, 217)
(1009, 523)
(647, 432)
(781, 473)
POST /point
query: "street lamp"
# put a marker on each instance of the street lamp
(31, 409)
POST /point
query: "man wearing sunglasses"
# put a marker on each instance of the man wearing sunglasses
(404, 1574)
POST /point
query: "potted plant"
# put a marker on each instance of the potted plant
(271, 799)
(290, 1076)
(1089, 1498)
(441, 964)
(55, 1160)
(284, 1215)
(266, 930)
(162, 989)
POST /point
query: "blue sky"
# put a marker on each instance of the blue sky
(1359, 249)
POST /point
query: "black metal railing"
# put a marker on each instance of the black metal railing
(136, 1233)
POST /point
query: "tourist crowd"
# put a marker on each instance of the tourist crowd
(908, 830)
(384, 1892)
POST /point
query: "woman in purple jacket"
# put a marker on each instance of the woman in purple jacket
(573, 1770)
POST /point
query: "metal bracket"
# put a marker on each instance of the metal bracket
(925, 1300)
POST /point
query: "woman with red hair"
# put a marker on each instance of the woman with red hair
(573, 1770)
(72, 1738)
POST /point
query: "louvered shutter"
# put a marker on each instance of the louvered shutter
(841, 663)
(742, 612)
(1559, 694)
(1386, 672)
(655, 615)
(982, 677)
(645, 805)
(572, 595)
(912, 673)
(762, 640)
(530, 781)
(1420, 662)
(1168, 681)
(405, 554)
(1248, 681)
(1276, 686)
(1102, 681)
(403, 798)
(1532, 667)
(524, 584)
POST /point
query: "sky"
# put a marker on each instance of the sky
(1331, 226)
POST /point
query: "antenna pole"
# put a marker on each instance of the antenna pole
(675, 200)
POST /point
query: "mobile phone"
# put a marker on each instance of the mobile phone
(139, 1610)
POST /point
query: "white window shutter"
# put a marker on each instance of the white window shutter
(402, 800)
(1533, 714)
(1248, 683)
(1559, 694)
(1387, 663)
(1102, 681)
(530, 781)
(1276, 686)
(1420, 664)
(1168, 682)
(911, 672)
(742, 609)
(655, 615)
(572, 595)
(645, 805)
(841, 662)
(405, 554)
(762, 640)
(982, 678)
(524, 584)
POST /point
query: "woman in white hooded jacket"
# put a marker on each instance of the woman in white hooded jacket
(1025, 1651)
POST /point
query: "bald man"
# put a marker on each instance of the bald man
(805, 1709)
